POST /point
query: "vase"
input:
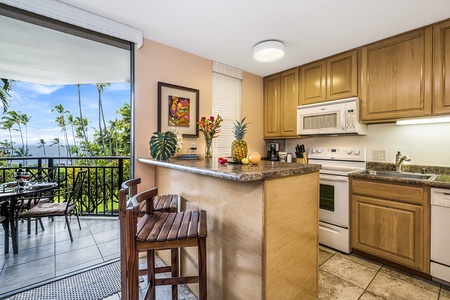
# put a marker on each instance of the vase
(208, 145)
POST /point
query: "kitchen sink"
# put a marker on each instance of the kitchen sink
(406, 175)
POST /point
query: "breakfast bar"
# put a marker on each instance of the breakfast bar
(262, 225)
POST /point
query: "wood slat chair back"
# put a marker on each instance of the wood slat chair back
(159, 231)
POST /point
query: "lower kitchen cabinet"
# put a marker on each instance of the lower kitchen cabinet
(392, 221)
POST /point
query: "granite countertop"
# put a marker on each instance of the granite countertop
(441, 181)
(238, 172)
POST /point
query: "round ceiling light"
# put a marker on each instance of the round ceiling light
(268, 51)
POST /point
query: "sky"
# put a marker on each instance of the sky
(37, 101)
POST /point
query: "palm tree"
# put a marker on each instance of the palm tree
(71, 121)
(83, 130)
(62, 122)
(57, 142)
(15, 118)
(24, 120)
(101, 116)
(42, 145)
(4, 92)
(8, 124)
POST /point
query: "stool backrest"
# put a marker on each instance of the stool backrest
(136, 202)
(132, 185)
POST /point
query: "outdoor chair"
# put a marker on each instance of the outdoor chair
(23, 204)
(5, 222)
(65, 209)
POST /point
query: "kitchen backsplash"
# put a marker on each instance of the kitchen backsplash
(426, 145)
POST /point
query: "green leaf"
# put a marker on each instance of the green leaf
(162, 145)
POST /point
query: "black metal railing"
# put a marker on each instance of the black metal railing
(100, 187)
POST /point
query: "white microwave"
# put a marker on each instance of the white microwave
(332, 117)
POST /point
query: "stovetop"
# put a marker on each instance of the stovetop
(338, 160)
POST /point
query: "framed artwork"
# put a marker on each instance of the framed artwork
(178, 107)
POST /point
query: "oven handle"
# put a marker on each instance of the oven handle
(333, 178)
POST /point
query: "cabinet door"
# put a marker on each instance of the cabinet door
(442, 68)
(390, 230)
(342, 76)
(396, 77)
(313, 82)
(289, 102)
(272, 106)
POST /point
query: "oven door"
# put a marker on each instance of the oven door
(334, 201)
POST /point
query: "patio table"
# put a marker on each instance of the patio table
(10, 193)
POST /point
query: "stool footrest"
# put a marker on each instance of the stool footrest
(176, 280)
(166, 269)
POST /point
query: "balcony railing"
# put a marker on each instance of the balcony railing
(100, 188)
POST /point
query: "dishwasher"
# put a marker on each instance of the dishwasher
(440, 237)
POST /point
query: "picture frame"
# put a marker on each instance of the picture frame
(178, 107)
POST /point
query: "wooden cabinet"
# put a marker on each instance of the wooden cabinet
(280, 104)
(329, 79)
(441, 53)
(392, 221)
(396, 77)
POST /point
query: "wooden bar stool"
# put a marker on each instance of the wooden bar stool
(159, 231)
(162, 203)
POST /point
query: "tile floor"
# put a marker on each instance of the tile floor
(51, 254)
(349, 277)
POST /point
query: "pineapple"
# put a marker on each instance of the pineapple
(239, 146)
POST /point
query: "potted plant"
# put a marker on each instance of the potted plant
(163, 145)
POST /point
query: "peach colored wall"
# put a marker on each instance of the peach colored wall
(157, 62)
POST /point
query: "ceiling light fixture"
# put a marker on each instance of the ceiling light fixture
(268, 51)
(424, 121)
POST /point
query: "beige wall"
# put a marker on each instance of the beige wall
(157, 62)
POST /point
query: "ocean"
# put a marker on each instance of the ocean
(50, 151)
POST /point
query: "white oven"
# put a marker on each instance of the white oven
(334, 201)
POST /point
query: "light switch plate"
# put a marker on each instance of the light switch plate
(379, 155)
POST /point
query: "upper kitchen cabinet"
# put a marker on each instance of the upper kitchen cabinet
(396, 77)
(329, 79)
(442, 68)
(280, 104)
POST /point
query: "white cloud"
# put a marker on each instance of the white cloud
(40, 88)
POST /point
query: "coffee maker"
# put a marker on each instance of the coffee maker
(273, 151)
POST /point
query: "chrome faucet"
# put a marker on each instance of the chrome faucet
(399, 160)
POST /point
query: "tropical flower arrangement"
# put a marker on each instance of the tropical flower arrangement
(211, 129)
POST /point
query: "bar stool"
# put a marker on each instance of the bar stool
(162, 203)
(159, 231)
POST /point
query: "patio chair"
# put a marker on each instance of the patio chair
(60, 209)
(5, 222)
(36, 175)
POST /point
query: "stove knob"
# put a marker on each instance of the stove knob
(313, 151)
(357, 152)
(319, 151)
(349, 151)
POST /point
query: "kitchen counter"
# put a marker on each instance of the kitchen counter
(238, 172)
(441, 181)
(262, 225)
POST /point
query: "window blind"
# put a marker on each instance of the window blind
(226, 93)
